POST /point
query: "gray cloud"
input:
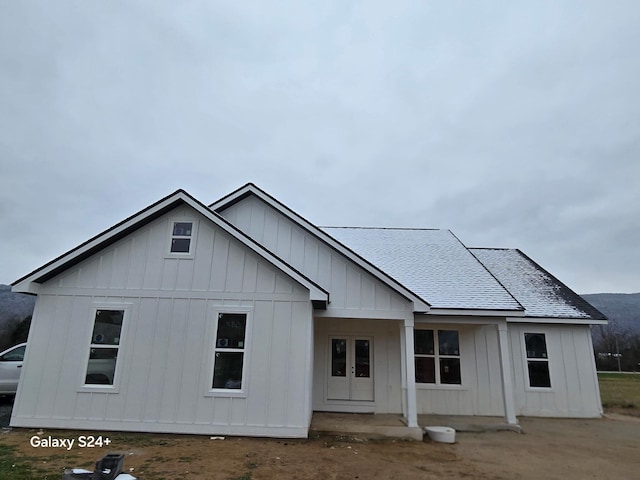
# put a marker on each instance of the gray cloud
(513, 124)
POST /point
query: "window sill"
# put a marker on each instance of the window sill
(98, 389)
(226, 393)
(439, 386)
(539, 389)
(179, 256)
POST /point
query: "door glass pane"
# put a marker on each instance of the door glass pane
(425, 370)
(338, 357)
(362, 358)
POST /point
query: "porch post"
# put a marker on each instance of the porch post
(412, 410)
(505, 368)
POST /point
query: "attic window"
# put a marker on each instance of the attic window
(182, 237)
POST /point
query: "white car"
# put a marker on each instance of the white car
(10, 368)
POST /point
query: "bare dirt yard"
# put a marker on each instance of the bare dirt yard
(548, 449)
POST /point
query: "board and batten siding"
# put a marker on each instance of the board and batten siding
(481, 390)
(354, 292)
(574, 388)
(165, 361)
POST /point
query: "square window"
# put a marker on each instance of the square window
(450, 371)
(180, 245)
(539, 374)
(425, 370)
(439, 366)
(536, 345)
(227, 372)
(182, 229)
(448, 343)
(423, 341)
(182, 237)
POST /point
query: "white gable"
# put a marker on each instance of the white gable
(350, 286)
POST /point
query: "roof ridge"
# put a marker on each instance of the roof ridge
(502, 285)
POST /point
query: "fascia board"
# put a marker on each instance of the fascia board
(419, 305)
(98, 242)
(558, 321)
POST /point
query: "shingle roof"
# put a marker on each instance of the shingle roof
(541, 294)
(432, 263)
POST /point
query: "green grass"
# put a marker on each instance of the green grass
(12, 468)
(620, 391)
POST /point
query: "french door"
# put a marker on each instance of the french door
(350, 368)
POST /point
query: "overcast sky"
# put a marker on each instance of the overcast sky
(514, 124)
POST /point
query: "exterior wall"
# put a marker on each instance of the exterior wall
(354, 292)
(574, 388)
(481, 390)
(386, 364)
(165, 362)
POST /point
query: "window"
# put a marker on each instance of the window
(537, 360)
(16, 354)
(105, 346)
(182, 237)
(439, 365)
(229, 351)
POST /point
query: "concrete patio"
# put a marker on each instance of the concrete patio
(394, 426)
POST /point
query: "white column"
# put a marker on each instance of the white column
(507, 381)
(412, 410)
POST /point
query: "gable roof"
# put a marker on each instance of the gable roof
(542, 295)
(318, 295)
(420, 304)
(432, 263)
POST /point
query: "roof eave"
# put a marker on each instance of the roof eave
(476, 312)
(31, 282)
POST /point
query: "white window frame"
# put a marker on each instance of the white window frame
(213, 349)
(437, 356)
(113, 388)
(541, 360)
(192, 237)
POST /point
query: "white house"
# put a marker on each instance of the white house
(243, 318)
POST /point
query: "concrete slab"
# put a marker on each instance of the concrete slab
(363, 425)
(468, 423)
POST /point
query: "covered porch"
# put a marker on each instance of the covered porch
(372, 426)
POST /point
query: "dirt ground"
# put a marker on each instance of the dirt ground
(548, 449)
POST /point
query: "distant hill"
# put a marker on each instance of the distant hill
(14, 307)
(620, 308)
(617, 345)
